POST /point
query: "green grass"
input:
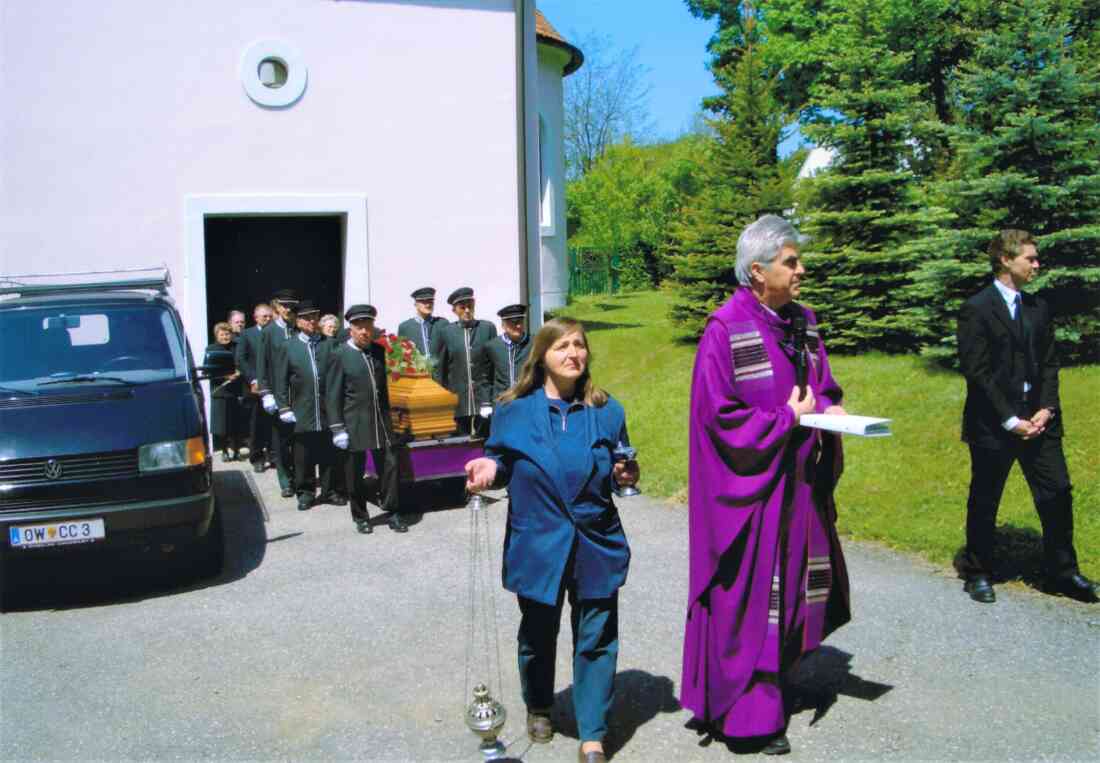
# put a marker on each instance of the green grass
(907, 491)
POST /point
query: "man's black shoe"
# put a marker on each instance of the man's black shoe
(980, 590)
(397, 524)
(333, 499)
(305, 502)
(259, 468)
(364, 526)
(779, 745)
(288, 492)
(1075, 586)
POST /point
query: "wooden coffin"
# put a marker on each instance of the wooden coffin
(420, 407)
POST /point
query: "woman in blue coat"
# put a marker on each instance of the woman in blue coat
(551, 444)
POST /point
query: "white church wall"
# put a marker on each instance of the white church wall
(554, 265)
(121, 118)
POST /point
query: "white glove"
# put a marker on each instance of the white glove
(287, 417)
(269, 403)
(485, 411)
(340, 440)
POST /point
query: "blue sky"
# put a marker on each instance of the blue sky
(671, 45)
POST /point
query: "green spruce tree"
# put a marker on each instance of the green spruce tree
(863, 207)
(743, 179)
(1028, 156)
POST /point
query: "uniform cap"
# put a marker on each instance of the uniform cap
(359, 312)
(461, 294)
(306, 307)
(513, 311)
(286, 297)
(425, 293)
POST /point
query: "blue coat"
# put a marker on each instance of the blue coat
(544, 522)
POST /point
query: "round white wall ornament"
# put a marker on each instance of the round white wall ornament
(273, 73)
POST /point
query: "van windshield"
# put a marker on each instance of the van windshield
(88, 345)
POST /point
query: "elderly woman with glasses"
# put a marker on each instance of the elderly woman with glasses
(767, 576)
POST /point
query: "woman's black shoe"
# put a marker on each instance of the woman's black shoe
(397, 524)
(778, 746)
(364, 526)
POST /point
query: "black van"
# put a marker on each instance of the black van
(103, 435)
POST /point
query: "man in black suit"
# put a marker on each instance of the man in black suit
(248, 353)
(357, 406)
(276, 335)
(1012, 413)
(423, 326)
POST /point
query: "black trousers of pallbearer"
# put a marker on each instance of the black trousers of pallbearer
(282, 450)
(259, 430)
(354, 463)
(312, 454)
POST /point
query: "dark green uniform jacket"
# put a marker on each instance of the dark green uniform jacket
(272, 345)
(459, 354)
(417, 331)
(300, 382)
(504, 361)
(356, 396)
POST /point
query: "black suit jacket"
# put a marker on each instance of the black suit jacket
(994, 355)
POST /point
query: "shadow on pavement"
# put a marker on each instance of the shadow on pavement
(824, 676)
(639, 698)
(102, 576)
(816, 684)
(1017, 555)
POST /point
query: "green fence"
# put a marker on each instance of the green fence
(593, 273)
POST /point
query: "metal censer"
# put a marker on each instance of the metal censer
(485, 717)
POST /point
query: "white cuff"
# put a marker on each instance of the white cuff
(1010, 423)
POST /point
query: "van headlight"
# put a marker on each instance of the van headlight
(173, 454)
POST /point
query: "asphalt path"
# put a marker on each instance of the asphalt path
(317, 643)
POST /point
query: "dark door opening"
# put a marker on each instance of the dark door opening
(249, 258)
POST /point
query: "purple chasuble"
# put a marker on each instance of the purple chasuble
(767, 577)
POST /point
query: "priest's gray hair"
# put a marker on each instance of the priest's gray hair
(761, 241)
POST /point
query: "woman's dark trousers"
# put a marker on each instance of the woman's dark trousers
(595, 624)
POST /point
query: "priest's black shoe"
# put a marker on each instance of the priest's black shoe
(1075, 586)
(259, 468)
(333, 499)
(779, 745)
(288, 492)
(364, 526)
(397, 524)
(305, 502)
(980, 590)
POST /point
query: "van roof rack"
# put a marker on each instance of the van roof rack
(156, 279)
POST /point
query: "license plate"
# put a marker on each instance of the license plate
(57, 533)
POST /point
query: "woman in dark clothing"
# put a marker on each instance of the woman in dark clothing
(225, 392)
(552, 444)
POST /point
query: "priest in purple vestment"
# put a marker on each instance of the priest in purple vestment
(767, 577)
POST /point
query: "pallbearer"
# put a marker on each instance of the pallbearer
(357, 404)
(505, 354)
(276, 335)
(459, 353)
(299, 391)
(423, 326)
(248, 355)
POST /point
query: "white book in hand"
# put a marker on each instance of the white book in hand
(864, 426)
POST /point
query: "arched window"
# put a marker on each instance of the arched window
(546, 185)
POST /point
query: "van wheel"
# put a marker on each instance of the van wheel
(208, 553)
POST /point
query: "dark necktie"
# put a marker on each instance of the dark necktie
(1022, 332)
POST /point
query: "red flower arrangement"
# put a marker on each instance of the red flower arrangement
(403, 356)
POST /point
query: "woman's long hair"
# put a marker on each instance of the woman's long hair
(533, 374)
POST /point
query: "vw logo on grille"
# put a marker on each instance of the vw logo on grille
(53, 469)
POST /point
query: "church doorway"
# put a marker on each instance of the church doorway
(250, 257)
